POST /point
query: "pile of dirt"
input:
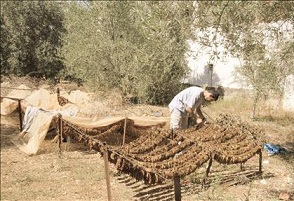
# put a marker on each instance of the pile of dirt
(42, 93)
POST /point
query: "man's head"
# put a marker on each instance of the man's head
(210, 94)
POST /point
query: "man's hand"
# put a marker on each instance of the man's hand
(201, 121)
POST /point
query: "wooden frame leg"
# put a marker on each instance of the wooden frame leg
(60, 132)
(105, 156)
(260, 161)
(124, 134)
(19, 115)
(207, 171)
(177, 188)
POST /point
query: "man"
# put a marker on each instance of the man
(186, 102)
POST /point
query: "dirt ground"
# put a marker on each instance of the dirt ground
(79, 174)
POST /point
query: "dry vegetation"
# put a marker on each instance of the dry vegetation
(79, 173)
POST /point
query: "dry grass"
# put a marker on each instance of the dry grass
(80, 174)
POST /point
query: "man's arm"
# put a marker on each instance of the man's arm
(190, 111)
(200, 115)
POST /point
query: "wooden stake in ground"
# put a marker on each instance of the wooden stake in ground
(105, 156)
(260, 161)
(19, 113)
(125, 128)
(177, 187)
(60, 131)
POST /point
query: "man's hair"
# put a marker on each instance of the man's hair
(214, 93)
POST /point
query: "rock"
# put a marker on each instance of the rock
(284, 196)
(266, 162)
(264, 182)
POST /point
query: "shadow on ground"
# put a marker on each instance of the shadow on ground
(165, 192)
(7, 133)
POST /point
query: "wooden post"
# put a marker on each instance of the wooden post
(60, 130)
(19, 114)
(210, 67)
(177, 188)
(260, 161)
(208, 167)
(207, 171)
(125, 128)
(105, 156)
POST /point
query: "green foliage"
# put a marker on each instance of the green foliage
(238, 21)
(35, 36)
(4, 48)
(259, 33)
(137, 47)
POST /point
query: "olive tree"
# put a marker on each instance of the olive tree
(260, 33)
(35, 31)
(136, 47)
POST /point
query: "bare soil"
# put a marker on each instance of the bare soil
(79, 174)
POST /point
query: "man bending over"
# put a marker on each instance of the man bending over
(186, 102)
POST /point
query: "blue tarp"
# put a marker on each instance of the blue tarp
(273, 149)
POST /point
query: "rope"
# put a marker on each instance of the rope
(17, 88)
(12, 98)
